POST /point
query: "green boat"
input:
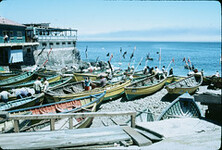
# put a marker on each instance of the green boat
(24, 77)
(37, 99)
(183, 106)
(30, 83)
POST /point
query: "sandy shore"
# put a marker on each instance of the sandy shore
(155, 102)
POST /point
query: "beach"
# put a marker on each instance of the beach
(156, 103)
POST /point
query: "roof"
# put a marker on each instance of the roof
(4, 21)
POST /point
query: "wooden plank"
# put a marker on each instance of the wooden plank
(59, 116)
(16, 126)
(55, 139)
(71, 123)
(139, 139)
(52, 124)
(118, 122)
(150, 135)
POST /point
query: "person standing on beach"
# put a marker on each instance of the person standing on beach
(102, 81)
(45, 84)
(87, 84)
(217, 74)
(4, 96)
(38, 86)
(171, 71)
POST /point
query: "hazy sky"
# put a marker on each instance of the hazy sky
(123, 20)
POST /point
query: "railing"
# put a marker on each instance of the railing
(48, 37)
(53, 117)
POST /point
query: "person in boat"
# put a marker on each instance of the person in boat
(38, 86)
(87, 84)
(102, 81)
(171, 71)
(202, 72)
(146, 70)
(217, 74)
(157, 69)
(195, 70)
(45, 84)
(4, 96)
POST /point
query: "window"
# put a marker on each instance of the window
(69, 43)
(44, 44)
(57, 43)
(63, 43)
(50, 44)
(11, 34)
(19, 34)
(28, 50)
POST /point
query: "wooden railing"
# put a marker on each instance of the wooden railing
(53, 117)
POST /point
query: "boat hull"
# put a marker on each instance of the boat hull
(132, 93)
(112, 92)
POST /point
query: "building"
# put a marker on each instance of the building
(13, 45)
(36, 44)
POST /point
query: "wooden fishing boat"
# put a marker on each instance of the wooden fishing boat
(36, 99)
(24, 77)
(189, 84)
(143, 116)
(173, 78)
(144, 86)
(45, 73)
(6, 75)
(82, 76)
(8, 126)
(183, 106)
(83, 104)
(50, 79)
(77, 89)
(53, 84)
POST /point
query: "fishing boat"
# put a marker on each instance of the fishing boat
(8, 125)
(183, 106)
(144, 86)
(53, 84)
(24, 77)
(82, 76)
(6, 75)
(36, 99)
(83, 104)
(173, 78)
(189, 84)
(77, 89)
(143, 116)
(50, 79)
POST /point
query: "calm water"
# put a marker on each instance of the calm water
(203, 55)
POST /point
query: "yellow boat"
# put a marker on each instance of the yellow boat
(76, 89)
(189, 84)
(173, 78)
(82, 76)
(144, 86)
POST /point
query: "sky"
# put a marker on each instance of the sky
(123, 20)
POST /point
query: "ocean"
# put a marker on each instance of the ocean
(203, 55)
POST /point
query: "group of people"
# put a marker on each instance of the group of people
(89, 84)
(148, 70)
(19, 93)
(39, 86)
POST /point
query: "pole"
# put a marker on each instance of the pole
(137, 65)
(169, 65)
(160, 59)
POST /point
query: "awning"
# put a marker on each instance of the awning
(16, 56)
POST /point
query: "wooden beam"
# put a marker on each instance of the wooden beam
(16, 126)
(138, 138)
(76, 115)
(71, 123)
(52, 124)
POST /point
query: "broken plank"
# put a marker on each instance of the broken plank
(139, 139)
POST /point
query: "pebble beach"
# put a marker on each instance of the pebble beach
(156, 103)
